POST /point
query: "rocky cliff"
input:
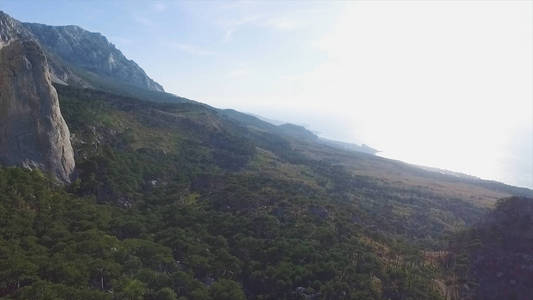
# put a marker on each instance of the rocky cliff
(11, 29)
(88, 52)
(33, 132)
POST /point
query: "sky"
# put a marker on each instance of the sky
(447, 84)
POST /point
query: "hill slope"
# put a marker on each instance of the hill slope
(174, 198)
(196, 204)
(493, 259)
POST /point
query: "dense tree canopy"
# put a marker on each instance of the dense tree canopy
(174, 201)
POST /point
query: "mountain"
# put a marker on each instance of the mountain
(85, 59)
(349, 146)
(82, 58)
(33, 133)
(10, 29)
(87, 54)
(174, 199)
(292, 131)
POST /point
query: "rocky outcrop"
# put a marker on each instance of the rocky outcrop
(11, 29)
(33, 133)
(90, 53)
(80, 58)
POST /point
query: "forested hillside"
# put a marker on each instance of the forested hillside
(179, 200)
(493, 259)
(161, 197)
(171, 201)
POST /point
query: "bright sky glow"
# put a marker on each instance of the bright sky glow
(447, 84)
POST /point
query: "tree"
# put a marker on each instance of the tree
(134, 289)
(166, 293)
(224, 289)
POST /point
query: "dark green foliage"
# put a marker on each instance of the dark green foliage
(494, 259)
(58, 246)
(166, 206)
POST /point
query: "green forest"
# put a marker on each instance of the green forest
(179, 201)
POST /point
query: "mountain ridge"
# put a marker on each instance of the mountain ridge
(92, 52)
(75, 53)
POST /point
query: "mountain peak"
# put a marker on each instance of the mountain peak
(91, 52)
(10, 29)
(79, 57)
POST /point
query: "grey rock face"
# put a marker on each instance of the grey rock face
(79, 57)
(90, 52)
(10, 29)
(33, 132)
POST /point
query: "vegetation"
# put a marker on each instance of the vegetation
(179, 201)
(493, 259)
(55, 245)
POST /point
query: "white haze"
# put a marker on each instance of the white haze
(445, 84)
(440, 84)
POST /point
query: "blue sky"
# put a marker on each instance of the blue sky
(440, 83)
(190, 46)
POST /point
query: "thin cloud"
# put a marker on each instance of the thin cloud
(143, 21)
(159, 7)
(264, 21)
(238, 73)
(282, 24)
(233, 25)
(190, 49)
